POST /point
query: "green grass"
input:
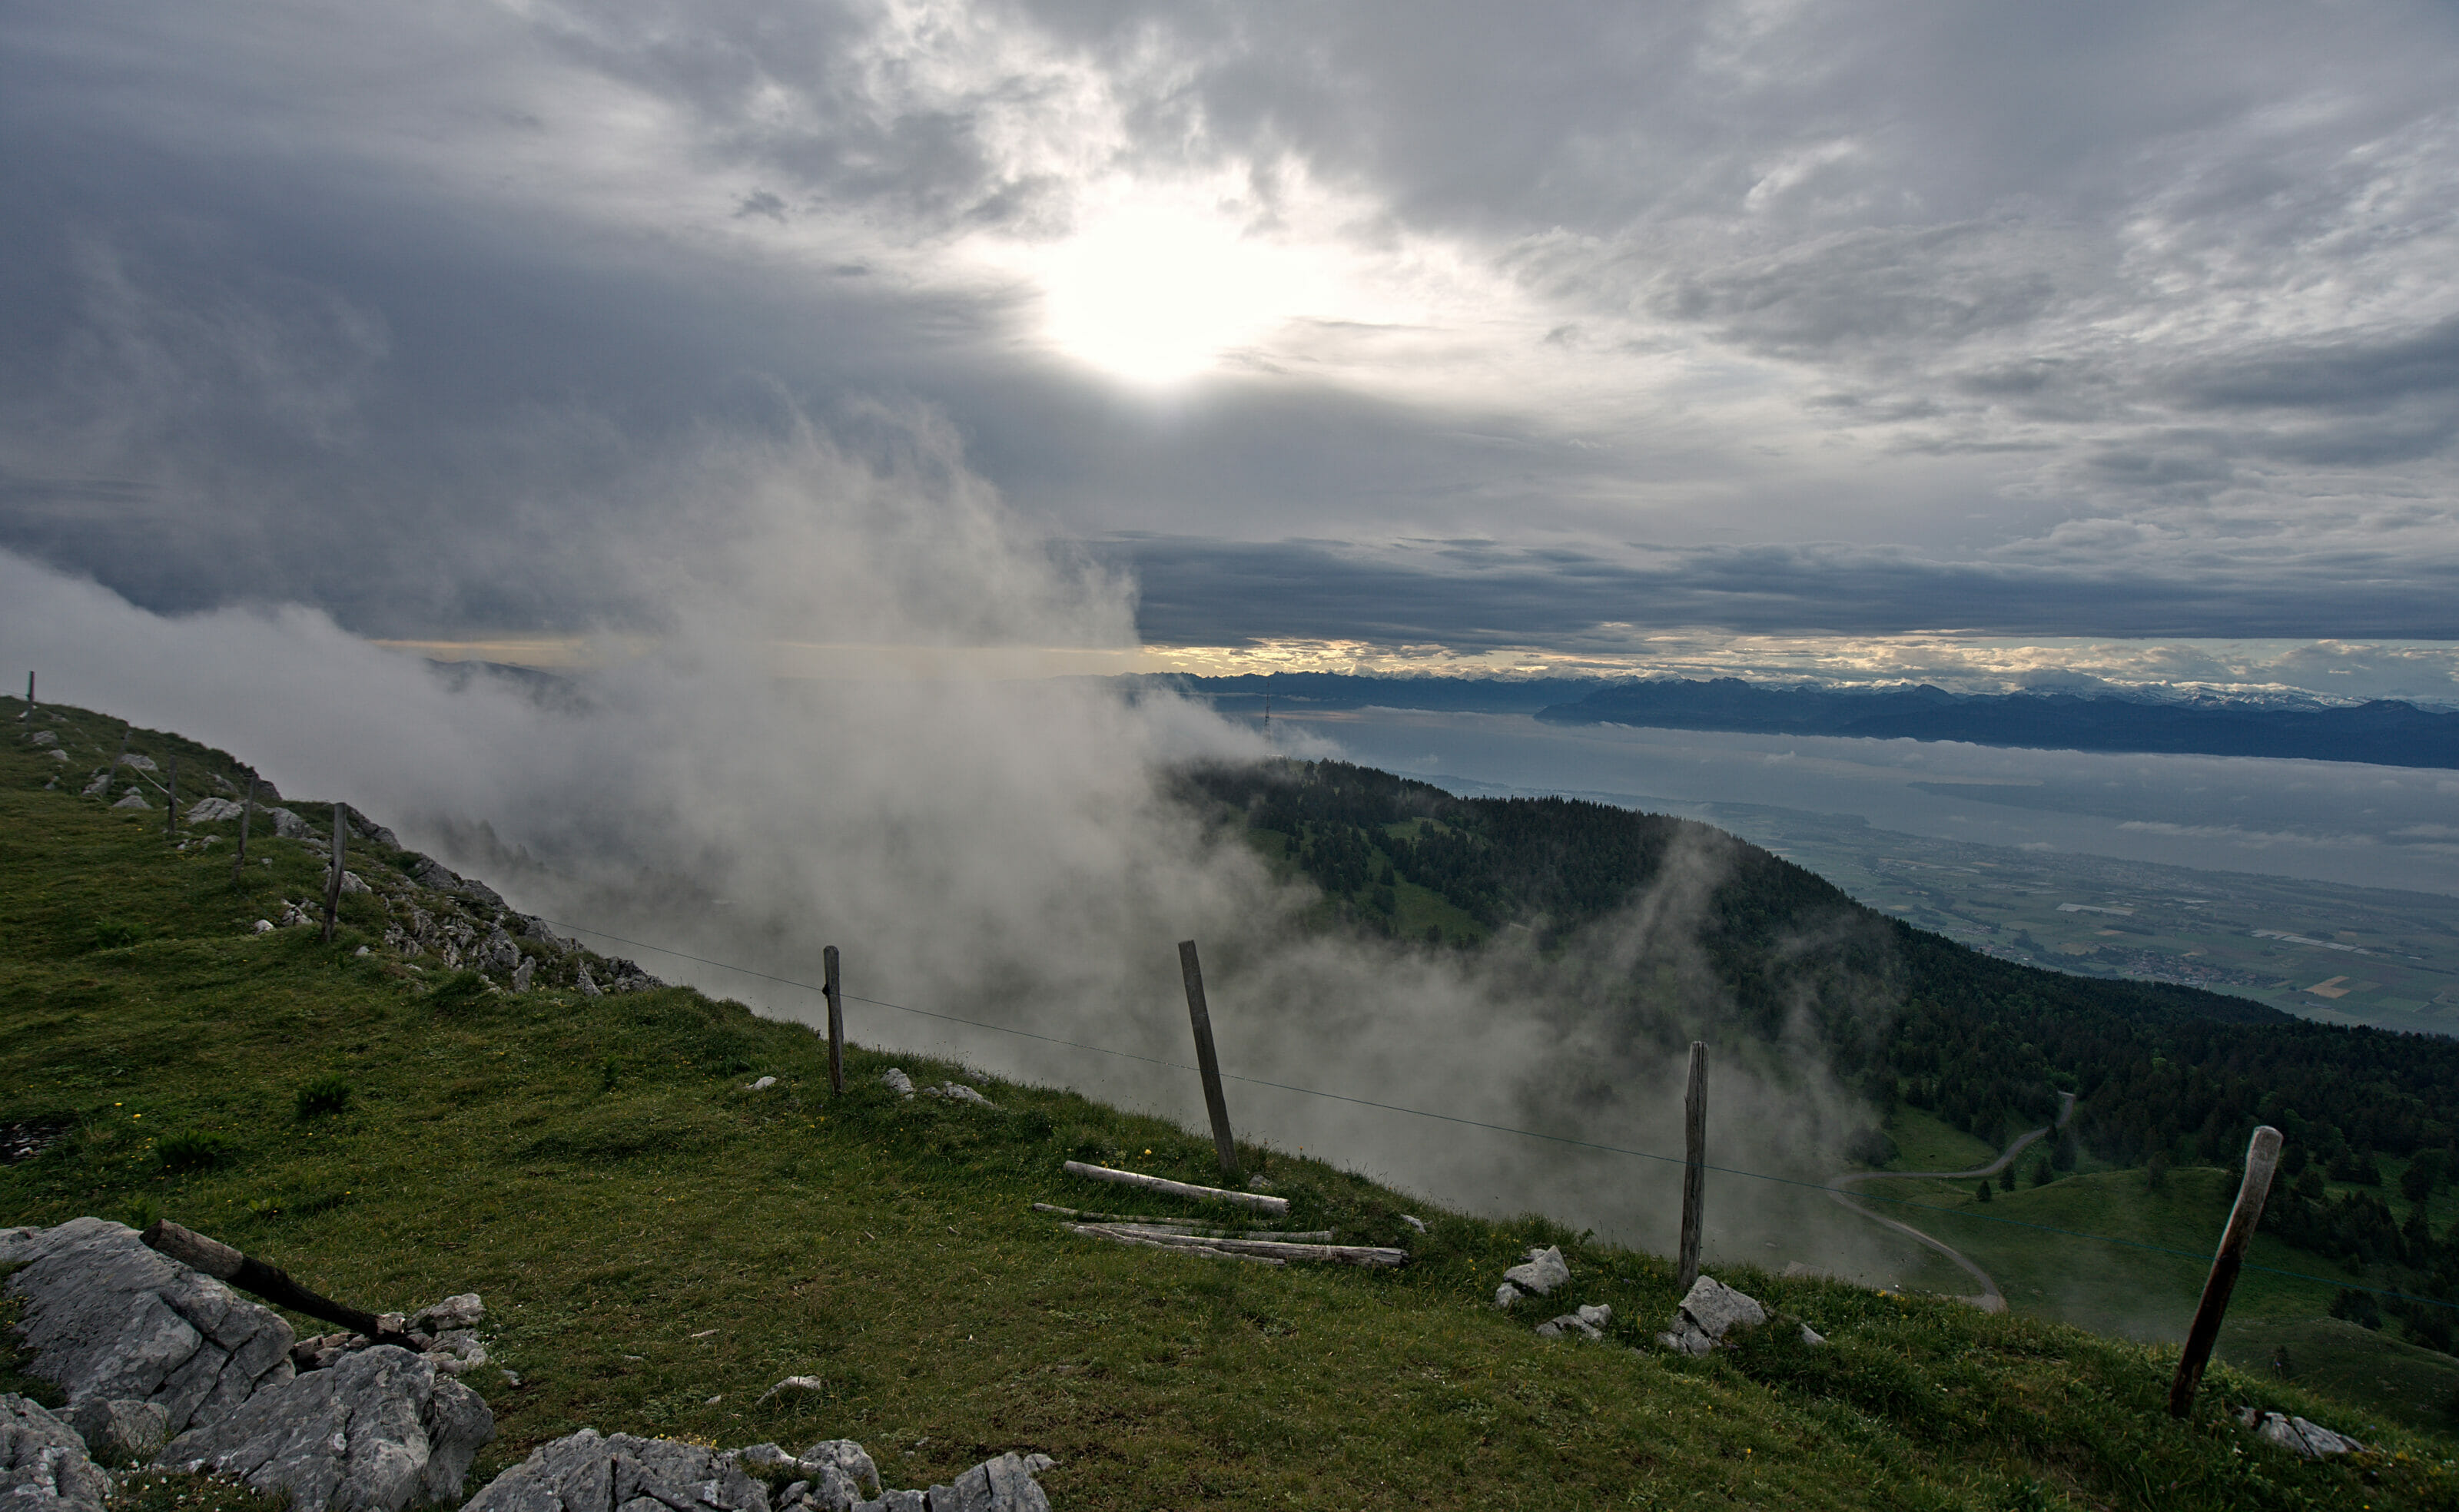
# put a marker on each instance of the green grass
(657, 1246)
(1926, 1142)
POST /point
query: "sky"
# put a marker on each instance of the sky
(1461, 337)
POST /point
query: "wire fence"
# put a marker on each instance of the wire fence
(2200, 1256)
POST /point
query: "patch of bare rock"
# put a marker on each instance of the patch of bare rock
(167, 1367)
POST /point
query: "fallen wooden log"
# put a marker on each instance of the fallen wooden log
(1279, 1249)
(270, 1282)
(1185, 1244)
(1277, 1206)
(1083, 1216)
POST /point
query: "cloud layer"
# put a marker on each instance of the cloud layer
(1483, 328)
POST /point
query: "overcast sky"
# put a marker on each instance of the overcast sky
(1541, 325)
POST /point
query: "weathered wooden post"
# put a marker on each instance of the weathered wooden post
(246, 808)
(2261, 1159)
(1206, 1062)
(28, 715)
(836, 1022)
(333, 881)
(1694, 1164)
(170, 810)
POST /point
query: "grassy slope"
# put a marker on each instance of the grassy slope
(598, 1170)
(2150, 1295)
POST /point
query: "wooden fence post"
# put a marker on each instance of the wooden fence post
(1206, 1064)
(28, 715)
(333, 882)
(1694, 1165)
(245, 808)
(2261, 1159)
(836, 1023)
(170, 810)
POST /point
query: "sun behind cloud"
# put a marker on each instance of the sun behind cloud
(1155, 293)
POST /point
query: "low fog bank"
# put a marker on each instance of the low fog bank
(997, 850)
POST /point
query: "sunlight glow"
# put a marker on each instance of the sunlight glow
(1155, 293)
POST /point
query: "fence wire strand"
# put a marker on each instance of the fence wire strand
(1501, 1128)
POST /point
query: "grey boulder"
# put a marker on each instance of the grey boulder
(134, 800)
(43, 1464)
(1004, 1484)
(211, 810)
(1708, 1312)
(109, 1319)
(2308, 1441)
(376, 1431)
(586, 1472)
(288, 825)
(1544, 1271)
(897, 1082)
(1588, 1322)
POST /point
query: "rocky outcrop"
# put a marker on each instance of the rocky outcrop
(897, 1082)
(376, 1432)
(44, 1466)
(587, 1472)
(110, 1320)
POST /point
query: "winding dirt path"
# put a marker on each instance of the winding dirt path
(1991, 1299)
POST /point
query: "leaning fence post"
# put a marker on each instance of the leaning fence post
(836, 1022)
(244, 809)
(333, 882)
(1206, 1062)
(28, 715)
(171, 810)
(2261, 1159)
(1694, 1164)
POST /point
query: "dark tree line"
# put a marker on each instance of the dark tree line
(2156, 1069)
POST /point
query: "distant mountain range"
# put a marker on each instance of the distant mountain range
(2386, 732)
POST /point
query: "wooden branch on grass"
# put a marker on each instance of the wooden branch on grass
(1277, 1206)
(268, 1282)
(1194, 1247)
(1189, 1224)
(1267, 1249)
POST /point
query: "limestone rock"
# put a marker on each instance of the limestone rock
(1004, 1484)
(288, 825)
(897, 1082)
(43, 1464)
(377, 1431)
(761, 1085)
(1812, 1336)
(463, 1312)
(101, 785)
(368, 830)
(582, 980)
(1707, 1313)
(140, 762)
(108, 1318)
(46, 737)
(1505, 1294)
(522, 973)
(212, 810)
(1418, 1223)
(58, 755)
(2308, 1439)
(1588, 1322)
(896, 1501)
(353, 882)
(583, 1472)
(132, 800)
(1544, 1271)
(841, 1472)
(117, 1431)
(958, 1092)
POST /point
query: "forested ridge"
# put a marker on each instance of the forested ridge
(2156, 1069)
